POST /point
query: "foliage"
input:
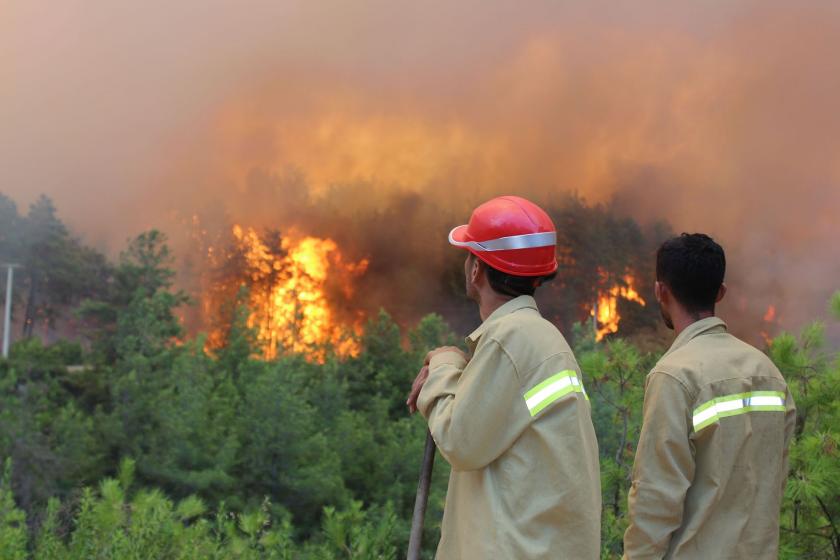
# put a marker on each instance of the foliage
(113, 523)
(615, 381)
(157, 447)
(598, 248)
(12, 521)
(297, 446)
(811, 512)
(58, 270)
(835, 304)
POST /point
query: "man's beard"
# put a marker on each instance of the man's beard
(666, 318)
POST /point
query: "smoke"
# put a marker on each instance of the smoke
(719, 117)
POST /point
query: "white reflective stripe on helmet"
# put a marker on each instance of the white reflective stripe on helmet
(525, 241)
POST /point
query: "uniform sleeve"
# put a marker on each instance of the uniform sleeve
(475, 410)
(662, 471)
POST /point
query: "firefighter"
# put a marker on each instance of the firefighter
(512, 417)
(711, 462)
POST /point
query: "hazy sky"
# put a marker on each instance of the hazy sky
(718, 116)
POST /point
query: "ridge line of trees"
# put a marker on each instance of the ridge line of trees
(159, 448)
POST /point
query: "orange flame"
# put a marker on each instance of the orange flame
(769, 317)
(606, 308)
(289, 306)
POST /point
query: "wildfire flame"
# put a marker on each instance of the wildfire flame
(289, 306)
(606, 308)
(770, 320)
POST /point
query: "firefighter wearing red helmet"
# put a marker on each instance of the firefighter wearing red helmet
(512, 418)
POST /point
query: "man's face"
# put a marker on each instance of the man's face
(663, 296)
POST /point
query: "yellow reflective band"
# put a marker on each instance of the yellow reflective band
(740, 403)
(552, 389)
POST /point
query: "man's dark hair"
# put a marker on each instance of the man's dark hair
(510, 285)
(515, 286)
(692, 266)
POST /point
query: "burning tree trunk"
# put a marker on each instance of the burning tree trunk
(605, 313)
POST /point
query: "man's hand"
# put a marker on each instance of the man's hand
(443, 349)
(415, 389)
(424, 374)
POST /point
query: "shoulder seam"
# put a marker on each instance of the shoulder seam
(561, 353)
(509, 357)
(685, 388)
(783, 380)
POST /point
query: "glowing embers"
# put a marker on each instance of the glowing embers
(289, 287)
(605, 311)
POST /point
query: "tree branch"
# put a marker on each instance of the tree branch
(835, 541)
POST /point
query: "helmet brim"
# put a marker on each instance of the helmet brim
(458, 237)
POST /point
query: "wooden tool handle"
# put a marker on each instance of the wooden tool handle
(422, 499)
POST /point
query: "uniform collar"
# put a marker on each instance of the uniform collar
(708, 325)
(517, 303)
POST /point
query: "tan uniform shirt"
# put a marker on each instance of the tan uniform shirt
(711, 463)
(515, 425)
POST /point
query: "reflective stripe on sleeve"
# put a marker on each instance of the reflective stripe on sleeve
(731, 405)
(552, 389)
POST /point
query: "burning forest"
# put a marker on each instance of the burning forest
(240, 258)
(287, 282)
(311, 276)
(606, 318)
(377, 140)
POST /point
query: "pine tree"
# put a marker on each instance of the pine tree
(811, 512)
(58, 270)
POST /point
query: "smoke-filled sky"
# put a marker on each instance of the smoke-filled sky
(716, 116)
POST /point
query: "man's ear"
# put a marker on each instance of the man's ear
(659, 290)
(721, 293)
(477, 270)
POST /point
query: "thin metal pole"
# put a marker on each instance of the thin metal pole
(10, 276)
(422, 499)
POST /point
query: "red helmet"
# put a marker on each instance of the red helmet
(512, 235)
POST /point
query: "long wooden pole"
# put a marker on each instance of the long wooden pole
(422, 499)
